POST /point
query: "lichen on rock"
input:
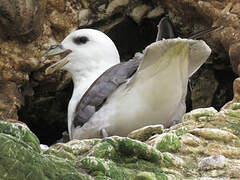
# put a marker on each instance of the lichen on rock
(20, 157)
(194, 148)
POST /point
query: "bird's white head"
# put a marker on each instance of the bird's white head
(84, 50)
(86, 54)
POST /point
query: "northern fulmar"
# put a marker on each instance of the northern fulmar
(113, 98)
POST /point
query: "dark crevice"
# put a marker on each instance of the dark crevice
(224, 92)
(130, 37)
(45, 112)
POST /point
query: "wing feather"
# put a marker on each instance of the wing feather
(102, 87)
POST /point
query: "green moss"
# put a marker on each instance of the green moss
(126, 150)
(21, 132)
(106, 149)
(113, 158)
(145, 133)
(61, 154)
(142, 165)
(235, 127)
(233, 113)
(20, 161)
(102, 168)
(168, 162)
(145, 176)
(161, 176)
(172, 174)
(235, 106)
(139, 149)
(73, 148)
(180, 131)
(202, 114)
(133, 157)
(168, 142)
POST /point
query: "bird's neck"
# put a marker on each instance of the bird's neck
(82, 80)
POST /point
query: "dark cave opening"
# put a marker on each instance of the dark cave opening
(130, 37)
(224, 92)
(45, 112)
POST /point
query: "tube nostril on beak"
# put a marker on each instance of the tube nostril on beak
(53, 47)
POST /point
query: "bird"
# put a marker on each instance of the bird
(114, 98)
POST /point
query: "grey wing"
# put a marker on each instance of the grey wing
(102, 87)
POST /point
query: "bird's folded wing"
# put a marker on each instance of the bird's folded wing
(102, 87)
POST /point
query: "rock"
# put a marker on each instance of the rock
(200, 114)
(20, 157)
(22, 17)
(173, 160)
(59, 5)
(58, 21)
(212, 162)
(146, 132)
(236, 98)
(44, 147)
(145, 176)
(204, 89)
(191, 140)
(158, 11)
(212, 133)
(138, 12)
(84, 18)
(181, 152)
(115, 4)
(112, 158)
(10, 100)
(20, 131)
(166, 142)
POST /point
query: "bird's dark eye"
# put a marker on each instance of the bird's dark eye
(80, 40)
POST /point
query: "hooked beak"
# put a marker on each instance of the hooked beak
(54, 51)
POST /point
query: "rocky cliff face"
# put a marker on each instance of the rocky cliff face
(29, 27)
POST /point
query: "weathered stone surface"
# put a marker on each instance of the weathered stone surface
(202, 134)
(212, 162)
(145, 133)
(205, 145)
(20, 64)
(166, 142)
(138, 12)
(10, 100)
(111, 158)
(19, 18)
(204, 89)
(20, 157)
(234, 103)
